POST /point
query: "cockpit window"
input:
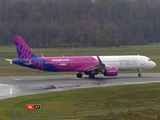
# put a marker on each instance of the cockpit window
(149, 60)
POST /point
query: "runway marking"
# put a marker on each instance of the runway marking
(17, 79)
(11, 91)
(4, 85)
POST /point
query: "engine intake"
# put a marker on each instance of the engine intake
(111, 71)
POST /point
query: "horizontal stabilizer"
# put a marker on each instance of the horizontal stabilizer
(10, 60)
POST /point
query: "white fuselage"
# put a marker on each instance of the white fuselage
(128, 62)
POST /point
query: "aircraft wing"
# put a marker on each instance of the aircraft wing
(99, 68)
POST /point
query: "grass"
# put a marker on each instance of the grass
(150, 50)
(117, 102)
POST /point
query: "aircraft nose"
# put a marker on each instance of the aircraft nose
(154, 64)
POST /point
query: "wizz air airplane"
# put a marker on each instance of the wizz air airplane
(90, 65)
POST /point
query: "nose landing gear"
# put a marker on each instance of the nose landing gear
(139, 73)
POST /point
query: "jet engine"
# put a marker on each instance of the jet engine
(111, 71)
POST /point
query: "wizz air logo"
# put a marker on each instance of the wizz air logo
(128, 61)
(24, 52)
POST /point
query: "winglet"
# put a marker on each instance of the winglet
(99, 60)
(41, 54)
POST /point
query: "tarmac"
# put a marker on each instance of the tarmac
(26, 85)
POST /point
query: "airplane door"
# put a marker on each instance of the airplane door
(72, 63)
(142, 62)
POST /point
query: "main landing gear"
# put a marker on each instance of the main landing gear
(91, 76)
(139, 73)
(79, 75)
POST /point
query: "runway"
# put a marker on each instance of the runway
(26, 85)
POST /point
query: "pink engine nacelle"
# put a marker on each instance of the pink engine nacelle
(111, 71)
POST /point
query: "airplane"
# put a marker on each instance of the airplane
(90, 65)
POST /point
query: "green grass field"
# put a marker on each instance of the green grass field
(6, 69)
(137, 102)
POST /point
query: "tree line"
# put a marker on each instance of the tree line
(59, 23)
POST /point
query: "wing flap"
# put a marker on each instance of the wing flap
(100, 67)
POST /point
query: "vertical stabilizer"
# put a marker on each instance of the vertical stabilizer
(23, 51)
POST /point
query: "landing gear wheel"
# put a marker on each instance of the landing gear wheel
(91, 76)
(79, 75)
(139, 73)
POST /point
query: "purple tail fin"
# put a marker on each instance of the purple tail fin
(23, 51)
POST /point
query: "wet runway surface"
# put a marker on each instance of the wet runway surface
(25, 85)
